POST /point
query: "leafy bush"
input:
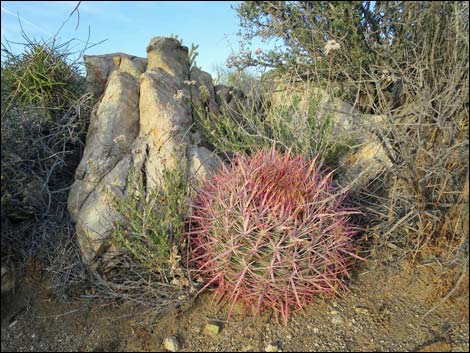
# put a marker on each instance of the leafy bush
(304, 27)
(345, 42)
(151, 224)
(270, 232)
(147, 239)
(296, 119)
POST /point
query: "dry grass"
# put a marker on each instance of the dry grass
(45, 113)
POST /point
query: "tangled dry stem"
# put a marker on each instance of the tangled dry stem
(38, 159)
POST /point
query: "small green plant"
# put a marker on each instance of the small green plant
(151, 222)
(148, 236)
(299, 123)
(42, 76)
(271, 232)
(192, 55)
(245, 81)
(227, 134)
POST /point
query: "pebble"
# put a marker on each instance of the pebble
(336, 320)
(212, 329)
(440, 346)
(172, 344)
(361, 310)
(315, 331)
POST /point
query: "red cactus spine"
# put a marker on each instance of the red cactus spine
(269, 232)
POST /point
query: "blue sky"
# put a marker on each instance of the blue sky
(129, 26)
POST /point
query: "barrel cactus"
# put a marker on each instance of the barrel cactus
(268, 231)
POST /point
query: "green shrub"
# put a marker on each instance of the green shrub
(242, 80)
(43, 76)
(151, 222)
(148, 238)
(298, 121)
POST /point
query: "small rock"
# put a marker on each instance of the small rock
(8, 279)
(336, 320)
(196, 138)
(172, 344)
(440, 346)
(334, 312)
(361, 310)
(272, 347)
(212, 329)
(315, 330)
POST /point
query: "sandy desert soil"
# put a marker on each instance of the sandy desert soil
(383, 312)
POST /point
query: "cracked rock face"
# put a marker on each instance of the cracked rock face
(140, 122)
